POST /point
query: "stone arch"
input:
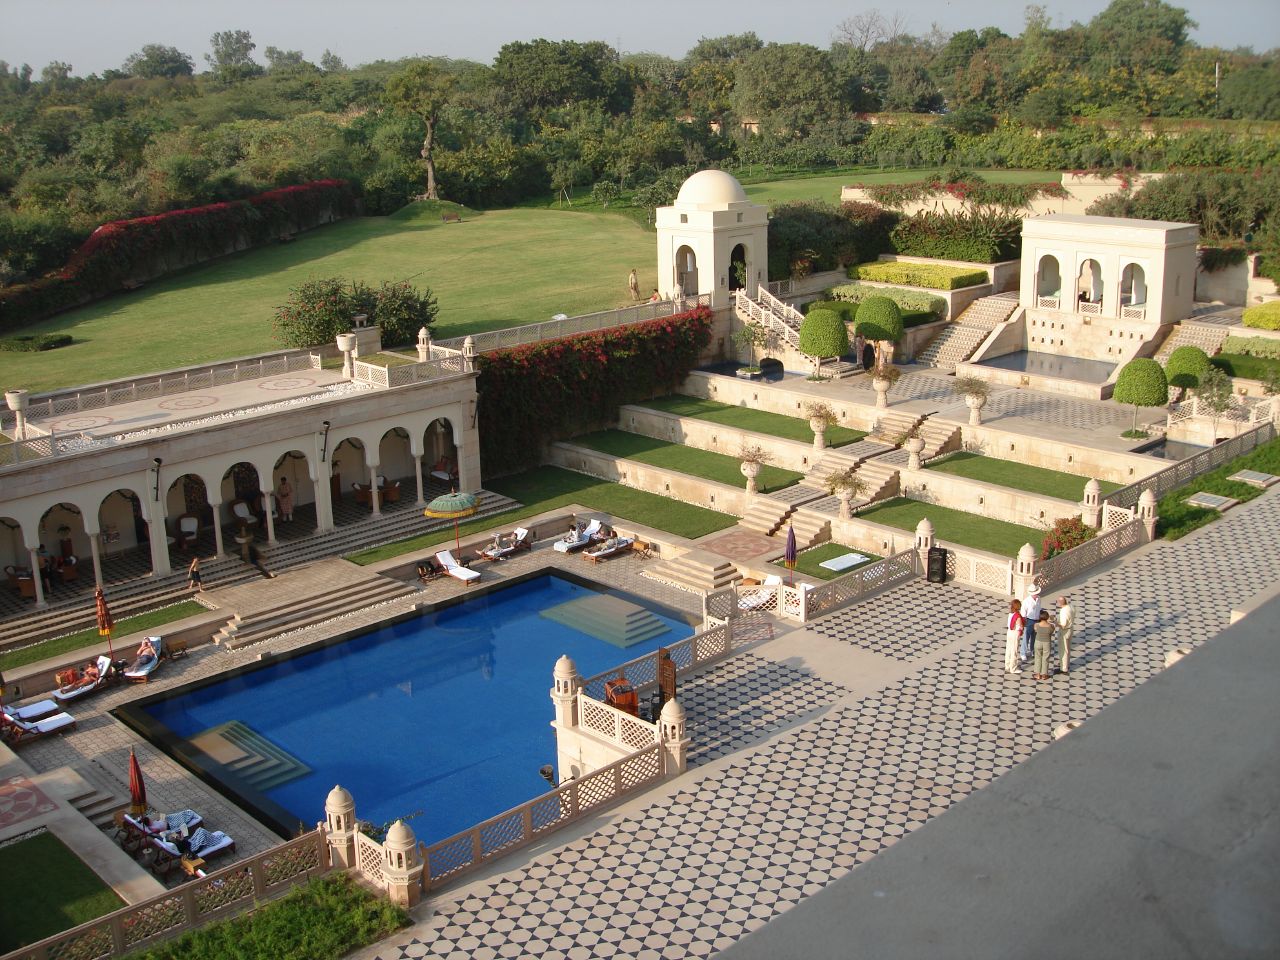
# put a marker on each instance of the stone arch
(64, 536)
(685, 282)
(1133, 285)
(242, 481)
(739, 261)
(440, 454)
(13, 549)
(1089, 282)
(295, 466)
(188, 494)
(123, 526)
(346, 467)
(1048, 277)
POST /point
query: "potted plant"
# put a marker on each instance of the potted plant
(848, 486)
(975, 391)
(883, 377)
(753, 457)
(820, 417)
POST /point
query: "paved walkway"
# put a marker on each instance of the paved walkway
(748, 836)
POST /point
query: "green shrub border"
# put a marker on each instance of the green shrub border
(1264, 316)
(930, 275)
(36, 344)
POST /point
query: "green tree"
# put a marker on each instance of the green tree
(231, 55)
(1215, 395)
(285, 61)
(879, 319)
(823, 334)
(1251, 93)
(542, 74)
(157, 60)
(1142, 383)
(330, 62)
(423, 89)
(1141, 34)
(1186, 367)
(788, 88)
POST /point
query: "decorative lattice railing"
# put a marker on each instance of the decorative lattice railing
(614, 726)
(803, 604)
(759, 313)
(189, 906)
(1107, 544)
(1184, 471)
(714, 643)
(522, 825)
(981, 570)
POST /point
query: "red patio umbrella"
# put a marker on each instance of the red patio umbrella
(105, 623)
(137, 789)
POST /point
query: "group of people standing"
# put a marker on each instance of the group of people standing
(1030, 632)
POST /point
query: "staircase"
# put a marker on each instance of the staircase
(697, 571)
(840, 459)
(1208, 337)
(892, 425)
(783, 320)
(93, 792)
(881, 479)
(958, 340)
(811, 529)
(250, 756)
(309, 610)
(764, 516)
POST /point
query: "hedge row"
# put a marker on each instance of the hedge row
(978, 237)
(970, 189)
(544, 392)
(931, 275)
(908, 301)
(1265, 316)
(845, 310)
(1253, 347)
(45, 341)
(125, 250)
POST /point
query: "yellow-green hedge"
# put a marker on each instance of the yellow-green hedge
(930, 275)
(1265, 316)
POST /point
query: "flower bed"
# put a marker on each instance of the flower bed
(931, 276)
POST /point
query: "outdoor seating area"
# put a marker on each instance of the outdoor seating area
(455, 569)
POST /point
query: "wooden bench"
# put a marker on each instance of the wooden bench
(451, 217)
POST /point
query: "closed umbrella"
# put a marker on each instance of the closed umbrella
(452, 506)
(789, 555)
(137, 789)
(105, 623)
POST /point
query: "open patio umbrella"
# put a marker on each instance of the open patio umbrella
(452, 506)
(789, 555)
(105, 624)
(137, 789)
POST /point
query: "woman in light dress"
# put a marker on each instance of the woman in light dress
(1012, 636)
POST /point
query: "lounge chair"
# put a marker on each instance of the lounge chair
(76, 691)
(753, 598)
(136, 831)
(32, 711)
(19, 731)
(141, 672)
(241, 513)
(203, 844)
(455, 569)
(429, 570)
(609, 548)
(188, 530)
(576, 539)
(521, 539)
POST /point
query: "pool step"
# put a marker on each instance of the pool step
(249, 755)
(305, 611)
(611, 619)
(698, 570)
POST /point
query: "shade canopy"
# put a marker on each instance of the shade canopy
(137, 789)
(451, 506)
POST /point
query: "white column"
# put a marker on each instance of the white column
(37, 578)
(268, 507)
(218, 548)
(374, 498)
(95, 552)
(159, 539)
(417, 475)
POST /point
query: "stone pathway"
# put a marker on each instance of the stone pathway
(756, 834)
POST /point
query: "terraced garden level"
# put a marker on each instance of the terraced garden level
(955, 526)
(1018, 476)
(744, 418)
(675, 456)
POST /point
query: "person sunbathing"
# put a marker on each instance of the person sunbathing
(145, 654)
(89, 677)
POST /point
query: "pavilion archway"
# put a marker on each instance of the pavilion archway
(738, 267)
(295, 503)
(686, 278)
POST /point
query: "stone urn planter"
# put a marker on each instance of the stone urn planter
(975, 409)
(750, 469)
(846, 499)
(347, 344)
(881, 387)
(913, 446)
(17, 402)
(819, 427)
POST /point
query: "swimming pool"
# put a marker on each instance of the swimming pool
(1052, 365)
(445, 712)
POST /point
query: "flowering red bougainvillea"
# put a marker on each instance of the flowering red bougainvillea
(543, 392)
(1067, 532)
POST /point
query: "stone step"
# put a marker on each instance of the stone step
(97, 795)
(307, 611)
(698, 570)
(764, 515)
(611, 619)
(811, 529)
(249, 755)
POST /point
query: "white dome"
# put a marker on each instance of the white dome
(399, 836)
(710, 187)
(339, 801)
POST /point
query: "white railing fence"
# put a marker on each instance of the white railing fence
(1184, 471)
(803, 605)
(980, 570)
(615, 726)
(1107, 544)
(707, 646)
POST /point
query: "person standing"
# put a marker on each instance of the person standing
(193, 575)
(1031, 613)
(1066, 628)
(1043, 628)
(284, 499)
(859, 347)
(633, 284)
(1012, 636)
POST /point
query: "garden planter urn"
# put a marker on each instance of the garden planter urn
(750, 470)
(913, 446)
(819, 427)
(881, 387)
(976, 403)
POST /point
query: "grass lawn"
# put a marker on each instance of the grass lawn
(48, 889)
(498, 269)
(1019, 476)
(1176, 519)
(85, 638)
(809, 561)
(676, 456)
(388, 360)
(956, 526)
(322, 920)
(546, 488)
(1243, 365)
(744, 418)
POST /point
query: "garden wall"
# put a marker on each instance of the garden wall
(641, 476)
(957, 300)
(774, 398)
(1083, 190)
(974, 496)
(1045, 451)
(716, 437)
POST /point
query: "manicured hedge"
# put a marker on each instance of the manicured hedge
(908, 301)
(1265, 316)
(543, 392)
(931, 275)
(45, 341)
(1264, 347)
(137, 249)
(1185, 366)
(972, 237)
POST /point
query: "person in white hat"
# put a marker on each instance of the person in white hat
(1031, 613)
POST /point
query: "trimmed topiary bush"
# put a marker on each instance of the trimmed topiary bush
(1142, 383)
(839, 307)
(879, 319)
(1265, 316)
(908, 301)
(823, 334)
(1186, 366)
(43, 341)
(931, 275)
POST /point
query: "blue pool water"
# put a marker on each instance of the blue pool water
(447, 713)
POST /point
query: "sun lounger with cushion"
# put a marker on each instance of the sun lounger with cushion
(203, 844)
(752, 598)
(140, 672)
(455, 569)
(610, 547)
(136, 831)
(20, 731)
(68, 694)
(521, 539)
(577, 539)
(33, 711)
